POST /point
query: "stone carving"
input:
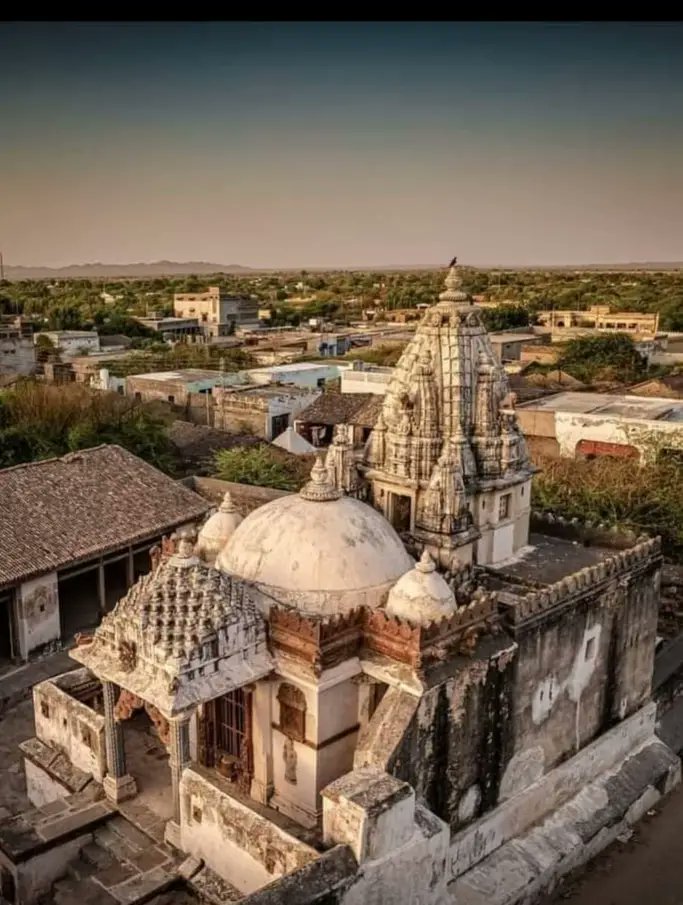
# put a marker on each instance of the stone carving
(127, 655)
(447, 423)
(289, 757)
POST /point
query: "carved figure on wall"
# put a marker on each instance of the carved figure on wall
(289, 757)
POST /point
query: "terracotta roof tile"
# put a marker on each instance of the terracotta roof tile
(84, 505)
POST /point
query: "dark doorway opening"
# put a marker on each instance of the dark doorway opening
(7, 651)
(377, 692)
(115, 582)
(141, 564)
(400, 506)
(79, 602)
(278, 424)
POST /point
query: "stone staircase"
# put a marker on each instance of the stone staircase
(121, 866)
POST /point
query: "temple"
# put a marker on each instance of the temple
(446, 462)
(383, 688)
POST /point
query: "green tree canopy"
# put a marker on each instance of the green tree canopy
(608, 357)
(261, 465)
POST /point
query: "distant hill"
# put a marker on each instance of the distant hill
(121, 271)
(98, 270)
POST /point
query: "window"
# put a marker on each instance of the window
(292, 712)
(171, 399)
(504, 506)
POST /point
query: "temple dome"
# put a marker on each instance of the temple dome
(422, 595)
(317, 550)
(218, 529)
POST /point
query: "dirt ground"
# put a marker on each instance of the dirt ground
(647, 869)
(15, 726)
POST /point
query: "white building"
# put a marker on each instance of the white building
(72, 342)
(602, 424)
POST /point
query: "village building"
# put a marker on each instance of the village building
(507, 345)
(17, 351)
(71, 342)
(349, 699)
(586, 425)
(76, 535)
(565, 324)
(318, 422)
(263, 410)
(218, 313)
(175, 386)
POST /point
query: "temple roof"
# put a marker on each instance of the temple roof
(317, 550)
(448, 390)
(184, 634)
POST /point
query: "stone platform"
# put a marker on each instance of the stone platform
(531, 864)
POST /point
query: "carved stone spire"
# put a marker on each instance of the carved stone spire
(340, 461)
(320, 488)
(441, 437)
(453, 291)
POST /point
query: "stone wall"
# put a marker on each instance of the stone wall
(584, 661)
(69, 725)
(237, 841)
(401, 847)
(452, 752)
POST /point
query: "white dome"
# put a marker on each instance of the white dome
(317, 550)
(421, 596)
(218, 529)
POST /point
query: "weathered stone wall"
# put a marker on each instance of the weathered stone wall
(233, 838)
(453, 750)
(581, 666)
(38, 614)
(68, 725)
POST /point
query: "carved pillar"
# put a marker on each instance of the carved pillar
(262, 740)
(179, 750)
(118, 785)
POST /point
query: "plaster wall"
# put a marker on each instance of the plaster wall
(41, 788)
(645, 436)
(38, 614)
(579, 669)
(452, 750)
(241, 845)
(514, 816)
(70, 726)
(34, 877)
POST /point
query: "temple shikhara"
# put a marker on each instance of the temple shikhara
(390, 687)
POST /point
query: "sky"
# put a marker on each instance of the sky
(306, 144)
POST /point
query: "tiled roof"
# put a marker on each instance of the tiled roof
(84, 505)
(335, 408)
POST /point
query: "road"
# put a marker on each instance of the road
(645, 870)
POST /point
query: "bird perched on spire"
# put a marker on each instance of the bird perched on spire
(454, 261)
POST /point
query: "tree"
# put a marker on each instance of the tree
(260, 465)
(505, 317)
(602, 356)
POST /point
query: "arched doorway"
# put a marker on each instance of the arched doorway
(146, 740)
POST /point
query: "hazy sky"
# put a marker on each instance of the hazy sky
(341, 144)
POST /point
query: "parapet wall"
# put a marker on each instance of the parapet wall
(590, 533)
(70, 726)
(586, 581)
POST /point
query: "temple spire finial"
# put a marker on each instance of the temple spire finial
(320, 488)
(453, 284)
